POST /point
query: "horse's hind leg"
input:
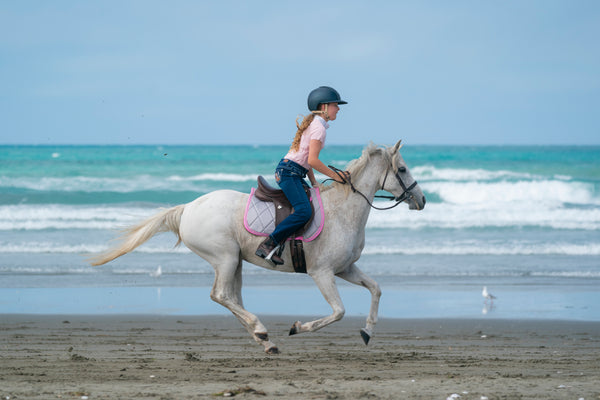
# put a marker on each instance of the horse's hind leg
(356, 276)
(227, 291)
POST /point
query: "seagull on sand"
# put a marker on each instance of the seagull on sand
(487, 295)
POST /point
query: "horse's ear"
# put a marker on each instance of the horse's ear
(397, 147)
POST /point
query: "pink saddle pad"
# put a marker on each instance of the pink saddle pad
(259, 218)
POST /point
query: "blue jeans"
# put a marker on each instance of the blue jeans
(290, 177)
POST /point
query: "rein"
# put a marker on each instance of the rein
(405, 194)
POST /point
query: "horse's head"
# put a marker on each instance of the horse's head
(398, 181)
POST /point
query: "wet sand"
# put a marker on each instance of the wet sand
(170, 357)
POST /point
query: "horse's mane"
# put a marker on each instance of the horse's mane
(357, 166)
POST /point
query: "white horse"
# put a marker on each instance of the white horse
(212, 227)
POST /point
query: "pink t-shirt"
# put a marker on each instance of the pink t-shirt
(315, 131)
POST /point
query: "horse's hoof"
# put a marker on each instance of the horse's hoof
(295, 328)
(272, 350)
(365, 336)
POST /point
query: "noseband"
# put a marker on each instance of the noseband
(406, 194)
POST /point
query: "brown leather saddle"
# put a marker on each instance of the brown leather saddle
(283, 208)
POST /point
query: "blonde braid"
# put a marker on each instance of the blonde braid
(301, 128)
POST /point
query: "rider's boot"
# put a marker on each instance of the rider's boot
(268, 250)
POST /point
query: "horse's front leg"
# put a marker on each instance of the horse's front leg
(326, 283)
(354, 275)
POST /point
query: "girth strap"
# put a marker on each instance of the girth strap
(298, 259)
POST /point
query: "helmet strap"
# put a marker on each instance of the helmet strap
(323, 112)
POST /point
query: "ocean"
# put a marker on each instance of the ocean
(523, 221)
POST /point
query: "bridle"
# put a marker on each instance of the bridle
(406, 194)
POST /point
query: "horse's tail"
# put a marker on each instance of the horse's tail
(132, 237)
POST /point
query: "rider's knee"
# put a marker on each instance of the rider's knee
(303, 211)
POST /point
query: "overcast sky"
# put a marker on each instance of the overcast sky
(238, 72)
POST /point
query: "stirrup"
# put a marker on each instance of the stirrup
(277, 251)
(270, 255)
(274, 252)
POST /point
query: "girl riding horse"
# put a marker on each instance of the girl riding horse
(298, 163)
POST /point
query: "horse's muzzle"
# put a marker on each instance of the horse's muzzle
(414, 204)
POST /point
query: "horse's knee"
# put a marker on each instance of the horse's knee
(376, 291)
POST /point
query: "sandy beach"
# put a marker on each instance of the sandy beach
(171, 357)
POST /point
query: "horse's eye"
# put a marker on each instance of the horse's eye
(402, 169)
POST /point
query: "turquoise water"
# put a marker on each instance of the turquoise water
(521, 220)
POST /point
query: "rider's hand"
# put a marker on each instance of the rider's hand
(346, 176)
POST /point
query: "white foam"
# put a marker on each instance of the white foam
(452, 216)
(431, 173)
(435, 215)
(35, 247)
(206, 269)
(78, 184)
(47, 270)
(450, 247)
(567, 274)
(90, 184)
(54, 216)
(87, 269)
(518, 193)
(215, 177)
(487, 248)
(47, 247)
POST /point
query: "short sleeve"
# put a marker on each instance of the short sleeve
(318, 132)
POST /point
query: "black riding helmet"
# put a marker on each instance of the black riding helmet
(323, 95)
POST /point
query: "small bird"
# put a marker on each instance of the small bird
(487, 295)
(156, 273)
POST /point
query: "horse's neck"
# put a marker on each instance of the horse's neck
(368, 181)
(355, 207)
